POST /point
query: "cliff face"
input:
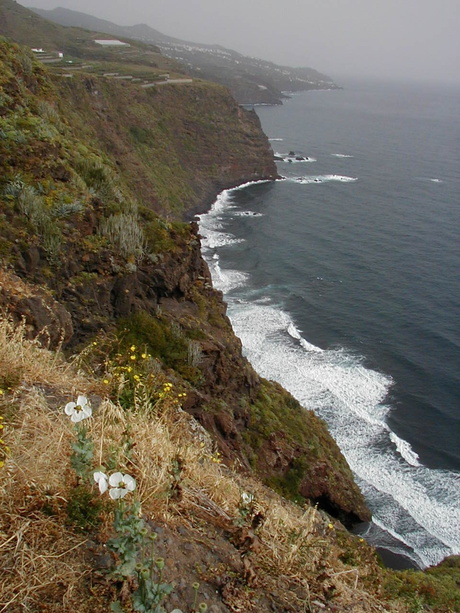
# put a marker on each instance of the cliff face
(87, 164)
(176, 146)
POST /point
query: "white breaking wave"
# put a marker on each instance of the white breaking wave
(323, 179)
(228, 279)
(430, 179)
(276, 139)
(216, 239)
(406, 451)
(417, 506)
(292, 331)
(211, 222)
(247, 214)
(294, 159)
(341, 155)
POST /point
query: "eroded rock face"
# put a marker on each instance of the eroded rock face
(44, 317)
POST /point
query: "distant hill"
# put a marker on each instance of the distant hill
(250, 80)
(78, 45)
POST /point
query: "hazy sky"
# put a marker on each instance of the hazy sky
(399, 38)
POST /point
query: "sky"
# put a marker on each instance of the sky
(401, 39)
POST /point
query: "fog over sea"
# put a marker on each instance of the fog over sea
(342, 282)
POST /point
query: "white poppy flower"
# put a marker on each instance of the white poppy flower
(102, 481)
(78, 410)
(120, 485)
(247, 498)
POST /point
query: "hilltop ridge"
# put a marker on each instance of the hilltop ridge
(251, 80)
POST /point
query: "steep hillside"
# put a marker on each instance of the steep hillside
(83, 223)
(251, 80)
(175, 145)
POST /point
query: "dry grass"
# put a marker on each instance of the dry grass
(27, 363)
(46, 566)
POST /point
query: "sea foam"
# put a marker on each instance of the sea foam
(405, 450)
(418, 508)
(294, 159)
(324, 179)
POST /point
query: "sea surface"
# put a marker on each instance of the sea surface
(342, 281)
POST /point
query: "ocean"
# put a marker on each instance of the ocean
(342, 281)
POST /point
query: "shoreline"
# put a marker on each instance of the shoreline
(390, 559)
(398, 557)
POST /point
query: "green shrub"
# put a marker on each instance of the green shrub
(161, 340)
(125, 234)
(437, 587)
(141, 135)
(99, 178)
(83, 508)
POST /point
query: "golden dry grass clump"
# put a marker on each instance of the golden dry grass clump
(47, 564)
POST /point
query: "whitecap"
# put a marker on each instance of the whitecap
(405, 450)
(341, 155)
(212, 239)
(294, 332)
(324, 179)
(430, 179)
(248, 184)
(227, 280)
(293, 159)
(247, 214)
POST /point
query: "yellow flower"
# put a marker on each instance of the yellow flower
(129, 369)
(137, 378)
(330, 526)
(132, 357)
(1, 392)
(133, 347)
(106, 381)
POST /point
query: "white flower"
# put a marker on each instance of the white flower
(120, 485)
(78, 410)
(102, 481)
(247, 498)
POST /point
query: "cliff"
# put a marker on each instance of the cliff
(84, 225)
(96, 175)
